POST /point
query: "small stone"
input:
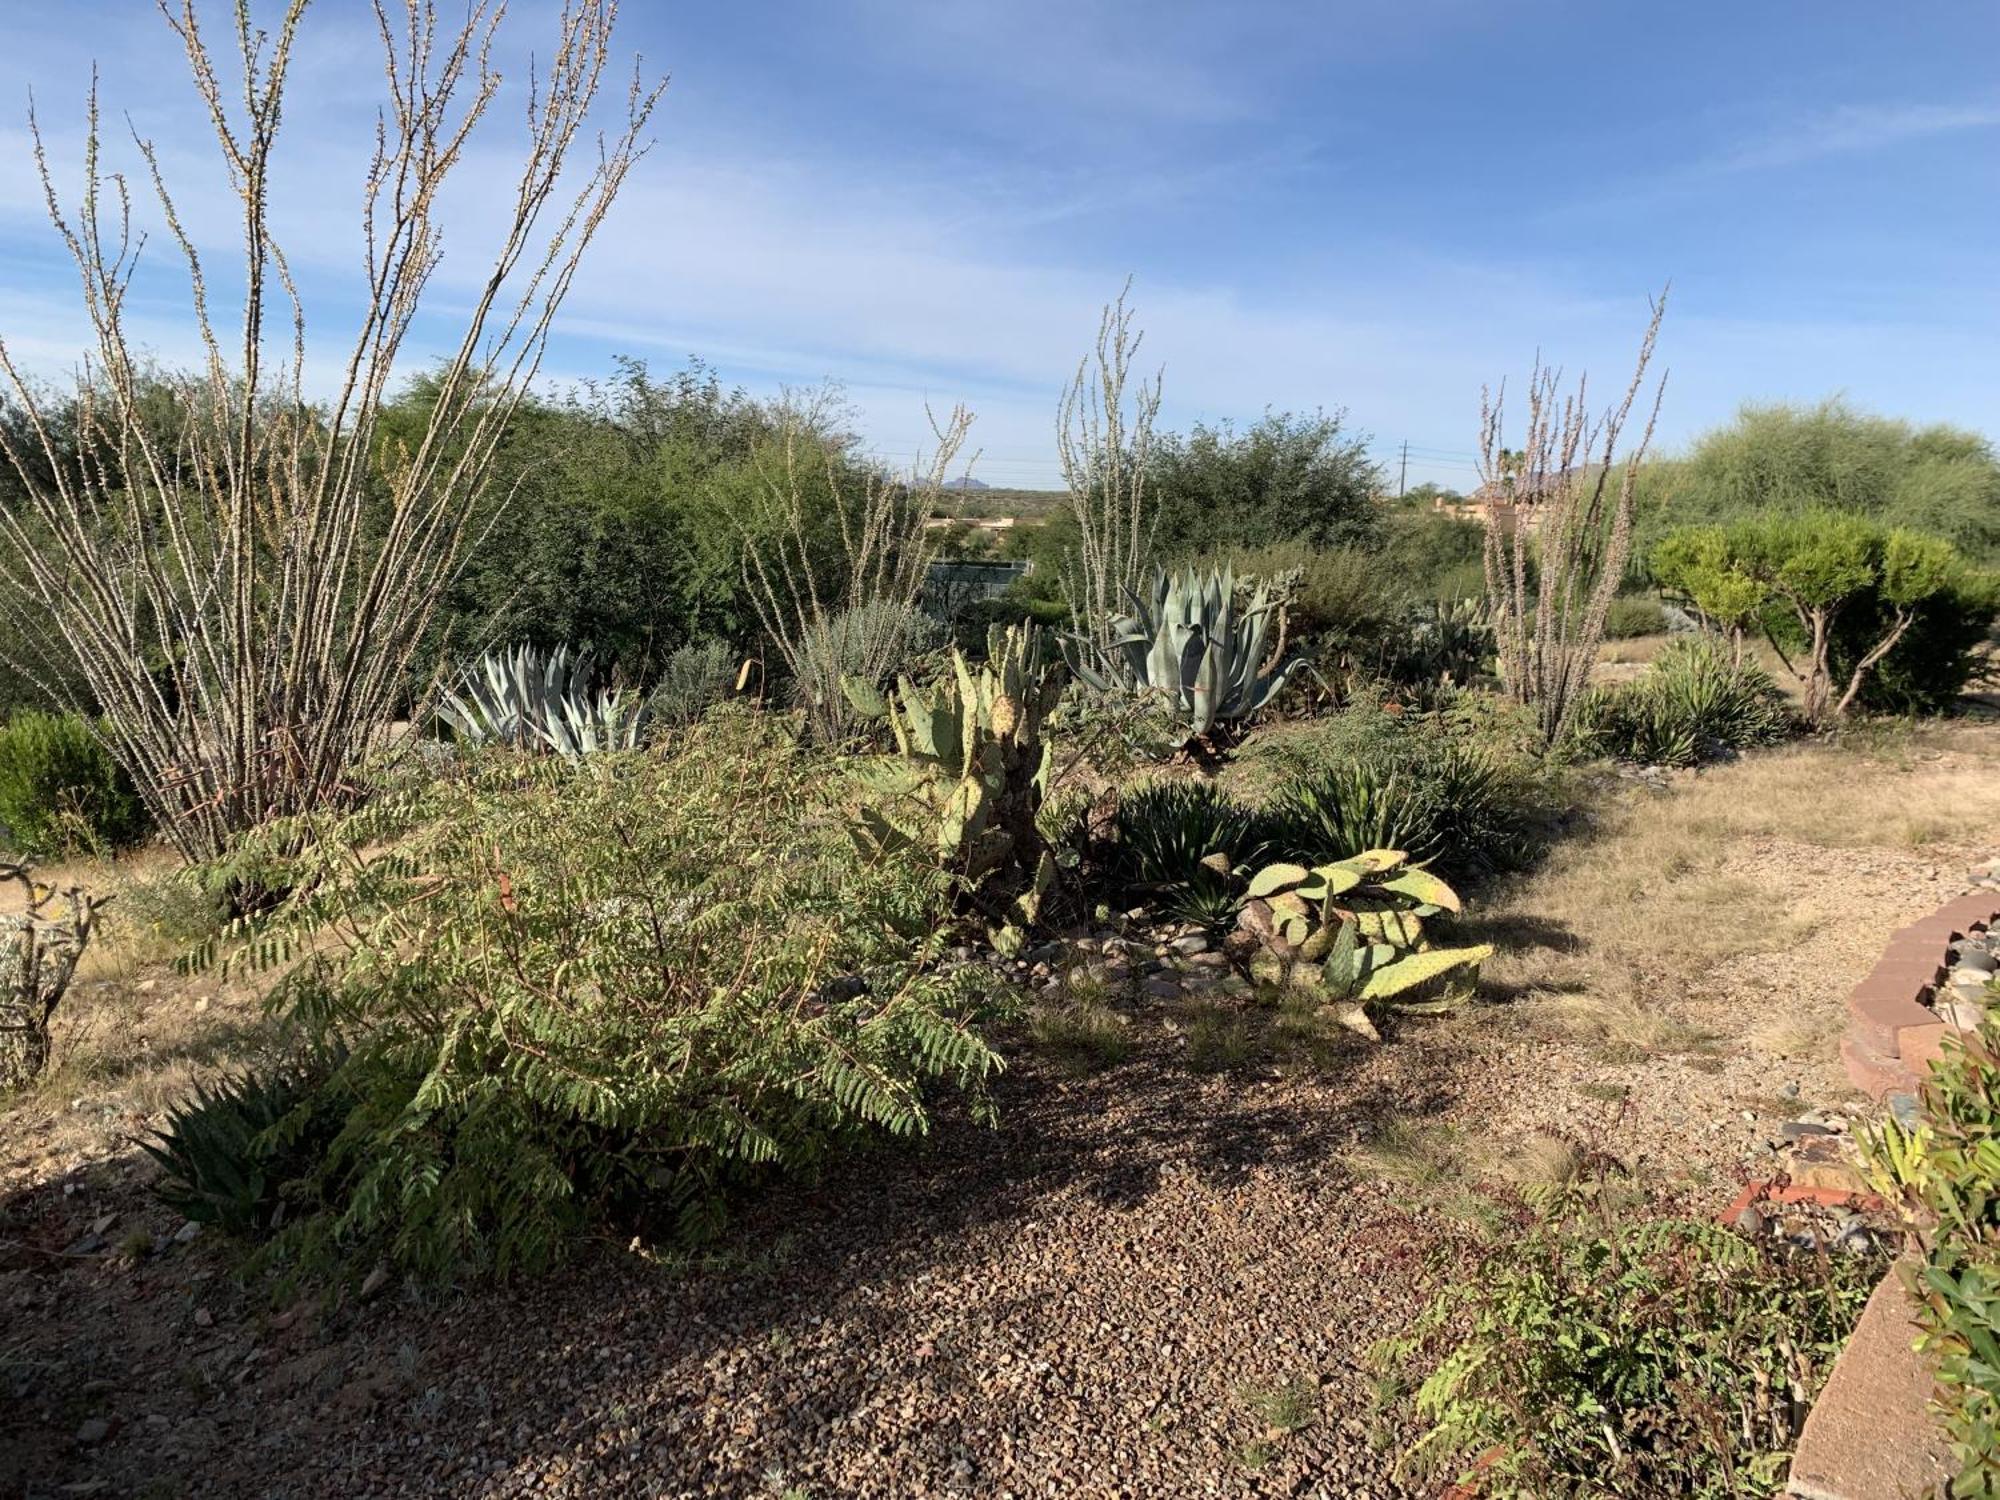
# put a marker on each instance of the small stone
(1908, 1113)
(187, 1233)
(93, 1430)
(98, 1226)
(1190, 945)
(1961, 1015)
(1977, 961)
(147, 986)
(1749, 1220)
(1790, 1090)
(201, 1005)
(1162, 989)
(374, 1281)
(1798, 1130)
(203, 1318)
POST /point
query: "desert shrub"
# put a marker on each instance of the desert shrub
(1943, 1172)
(1940, 656)
(695, 678)
(1165, 831)
(972, 624)
(1454, 786)
(1287, 476)
(1583, 1350)
(60, 789)
(1631, 616)
(1445, 642)
(880, 630)
(1696, 701)
(1837, 593)
(1331, 594)
(620, 990)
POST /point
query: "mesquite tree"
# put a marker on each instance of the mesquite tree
(241, 570)
(1559, 530)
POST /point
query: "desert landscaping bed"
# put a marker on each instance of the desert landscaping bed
(1148, 1280)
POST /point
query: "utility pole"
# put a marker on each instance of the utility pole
(1403, 473)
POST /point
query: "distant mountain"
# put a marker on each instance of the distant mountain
(966, 482)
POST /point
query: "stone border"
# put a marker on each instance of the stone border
(1892, 1033)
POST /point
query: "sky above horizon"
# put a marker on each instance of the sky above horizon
(1376, 206)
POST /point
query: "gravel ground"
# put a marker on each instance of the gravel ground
(1092, 1301)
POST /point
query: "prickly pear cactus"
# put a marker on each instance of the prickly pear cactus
(1355, 929)
(969, 776)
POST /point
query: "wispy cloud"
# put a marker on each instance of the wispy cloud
(1856, 128)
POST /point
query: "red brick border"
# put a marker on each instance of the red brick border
(1892, 1033)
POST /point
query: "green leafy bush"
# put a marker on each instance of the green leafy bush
(839, 652)
(1946, 1173)
(1695, 701)
(615, 990)
(60, 790)
(1631, 616)
(1582, 1351)
(1838, 593)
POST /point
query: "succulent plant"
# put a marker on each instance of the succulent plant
(534, 701)
(1355, 929)
(1216, 659)
(969, 776)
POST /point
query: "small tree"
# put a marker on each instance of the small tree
(39, 952)
(1106, 452)
(1559, 531)
(1798, 575)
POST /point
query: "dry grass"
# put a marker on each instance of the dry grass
(132, 1036)
(1670, 891)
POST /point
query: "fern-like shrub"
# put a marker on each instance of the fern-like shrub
(60, 790)
(1695, 702)
(1583, 1351)
(570, 996)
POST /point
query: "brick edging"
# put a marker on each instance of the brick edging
(1892, 1033)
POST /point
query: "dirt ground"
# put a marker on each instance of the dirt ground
(1149, 1281)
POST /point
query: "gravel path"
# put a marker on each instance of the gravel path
(1099, 1299)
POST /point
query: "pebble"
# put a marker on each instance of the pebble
(1190, 945)
(93, 1430)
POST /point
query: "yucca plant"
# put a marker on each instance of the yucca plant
(1216, 659)
(1356, 929)
(1339, 811)
(1696, 700)
(1177, 833)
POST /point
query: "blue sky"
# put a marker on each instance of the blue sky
(1372, 206)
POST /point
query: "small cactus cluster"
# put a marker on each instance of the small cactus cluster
(969, 776)
(1355, 929)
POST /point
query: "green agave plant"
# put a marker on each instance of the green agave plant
(1356, 929)
(1216, 661)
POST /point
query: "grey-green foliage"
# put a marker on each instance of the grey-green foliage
(1215, 656)
(532, 700)
(696, 677)
(874, 631)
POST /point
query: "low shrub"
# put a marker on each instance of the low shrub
(694, 679)
(897, 636)
(1582, 1350)
(1695, 702)
(1946, 1174)
(614, 990)
(1427, 784)
(1631, 616)
(61, 791)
